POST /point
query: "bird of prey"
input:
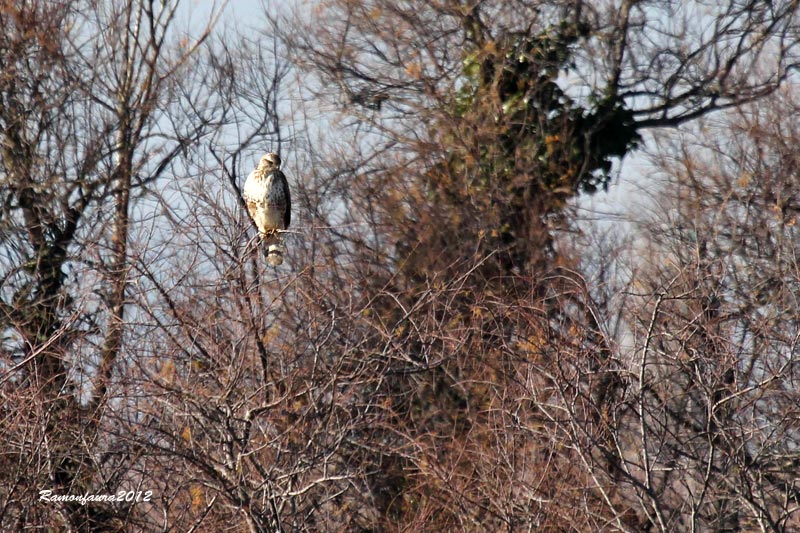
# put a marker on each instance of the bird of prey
(266, 193)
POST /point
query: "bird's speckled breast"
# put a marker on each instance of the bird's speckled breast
(274, 196)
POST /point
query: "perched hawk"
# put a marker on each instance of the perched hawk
(266, 193)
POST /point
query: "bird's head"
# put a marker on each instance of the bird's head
(270, 161)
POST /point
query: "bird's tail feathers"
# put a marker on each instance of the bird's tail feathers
(274, 253)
